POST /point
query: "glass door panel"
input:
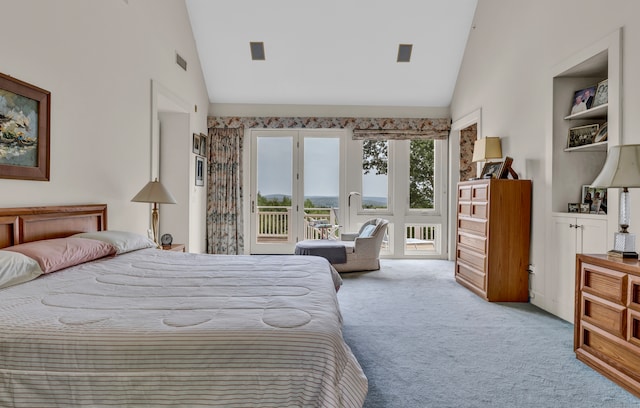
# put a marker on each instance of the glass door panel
(321, 187)
(295, 188)
(273, 226)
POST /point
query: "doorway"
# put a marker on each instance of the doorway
(296, 185)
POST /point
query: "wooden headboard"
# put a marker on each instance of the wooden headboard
(26, 224)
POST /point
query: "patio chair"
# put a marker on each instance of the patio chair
(363, 247)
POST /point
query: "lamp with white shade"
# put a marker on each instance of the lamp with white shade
(487, 148)
(622, 170)
(154, 192)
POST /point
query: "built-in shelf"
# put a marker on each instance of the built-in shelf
(599, 112)
(593, 147)
(592, 216)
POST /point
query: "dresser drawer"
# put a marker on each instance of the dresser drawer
(473, 225)
(464, 193)
(604, 314)
(464, 209)
(480, 192)
(633, 327)
(471, 275)
(473, 241)
(473, 258)
(605, 283)
(623, 356)
(634, 293)
(479, 210)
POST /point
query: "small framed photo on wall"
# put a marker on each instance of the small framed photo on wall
(199, 171)
(196, 143)
(203, 145)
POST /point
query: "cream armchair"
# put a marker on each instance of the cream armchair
(363, 247)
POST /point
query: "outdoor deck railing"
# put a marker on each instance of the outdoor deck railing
(273, 222)
(273, 225)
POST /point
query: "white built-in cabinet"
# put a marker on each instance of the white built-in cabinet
(568, 169)
(584, 234)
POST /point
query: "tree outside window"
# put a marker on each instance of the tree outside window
(421, 174)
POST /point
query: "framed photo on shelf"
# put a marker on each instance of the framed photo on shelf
(25, 112)
(583, 99)
(573, 207)
(582, 135)
(603, 134)
(584, 208)
(491, 170)
(505, 168)
(196, 143)
(595, 198)
(199, 171)
(602, 93)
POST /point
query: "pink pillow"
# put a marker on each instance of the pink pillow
(56, 254)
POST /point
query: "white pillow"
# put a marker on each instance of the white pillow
(367, 231)
(124, 241)
(17, 268)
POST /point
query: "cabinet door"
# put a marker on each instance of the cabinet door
(593, 237)
(562, 283)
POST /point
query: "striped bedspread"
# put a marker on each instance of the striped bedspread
(157, 328)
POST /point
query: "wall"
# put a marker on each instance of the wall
(97, 58)
(506, 71)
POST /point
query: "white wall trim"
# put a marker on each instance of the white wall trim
(464, 122)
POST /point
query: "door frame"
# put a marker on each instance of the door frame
(297, 201)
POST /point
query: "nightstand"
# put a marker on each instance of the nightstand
(174, 247)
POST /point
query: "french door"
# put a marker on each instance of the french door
(296, 179)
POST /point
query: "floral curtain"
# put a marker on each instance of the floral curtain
(224, 192)
(363, 128)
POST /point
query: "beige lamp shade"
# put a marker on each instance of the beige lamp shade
(621, 169)
(487, 148)
(154, 192)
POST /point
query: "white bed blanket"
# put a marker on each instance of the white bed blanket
(158, 328)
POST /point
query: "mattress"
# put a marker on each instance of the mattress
(161, 328)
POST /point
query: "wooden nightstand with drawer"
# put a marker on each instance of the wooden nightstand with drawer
(492, 240)
(174, 247)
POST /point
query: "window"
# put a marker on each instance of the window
(421, 174)
(375, 180)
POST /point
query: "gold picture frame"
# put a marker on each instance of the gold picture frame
(25, 114)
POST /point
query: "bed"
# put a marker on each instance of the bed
(147, 327)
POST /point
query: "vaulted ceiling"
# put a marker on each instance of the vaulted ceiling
(331, 52)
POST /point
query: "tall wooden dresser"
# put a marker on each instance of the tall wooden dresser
(607, 320)
(492, 248)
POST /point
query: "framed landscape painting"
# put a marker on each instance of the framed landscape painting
(25, 112)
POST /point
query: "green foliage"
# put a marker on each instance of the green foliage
(375, 156)
(421, 173)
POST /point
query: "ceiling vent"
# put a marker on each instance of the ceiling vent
(404, 52)
(257, 51)
(181, 61)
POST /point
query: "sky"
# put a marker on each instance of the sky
(321, 168)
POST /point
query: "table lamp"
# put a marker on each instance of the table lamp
(487, 148)
(154, 192)
(622, 170)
